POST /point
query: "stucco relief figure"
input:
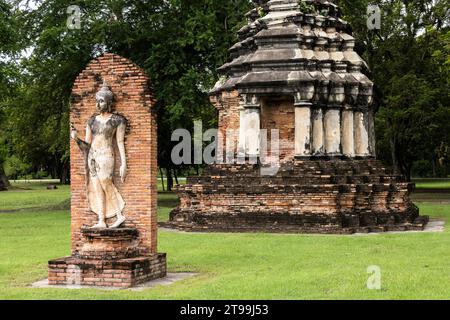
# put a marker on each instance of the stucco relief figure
(98, 149)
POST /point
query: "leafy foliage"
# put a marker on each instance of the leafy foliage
(8, 72)
(179, 43)
(408, 59)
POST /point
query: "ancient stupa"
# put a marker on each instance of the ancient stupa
(295, 70)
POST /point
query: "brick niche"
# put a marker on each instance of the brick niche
(126, 256)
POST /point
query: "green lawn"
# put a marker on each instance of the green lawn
(236, 266)
(432, 183)
(34, 195)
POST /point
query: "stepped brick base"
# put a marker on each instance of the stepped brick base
(311, 196)
(109, 258)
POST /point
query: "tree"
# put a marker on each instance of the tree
(179, 43)
(408, 60)
(8, 46)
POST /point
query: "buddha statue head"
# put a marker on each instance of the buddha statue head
(104, 98)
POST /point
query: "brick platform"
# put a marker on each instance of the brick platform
(124, 273)
(109, 257)
(314, 196)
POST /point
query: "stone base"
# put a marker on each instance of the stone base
(109, 244)
(170, 279)
(122, 273)
(286, 224)
(312, 196)
(108, 258)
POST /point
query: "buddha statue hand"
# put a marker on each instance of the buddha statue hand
(123, 172)
(73, 132)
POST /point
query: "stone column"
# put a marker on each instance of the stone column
(332, 122)
(348, 142)
(320, 100)
(361, 134)
(241, 143)
(252, 125)
(317, 132)
(372, 137)
(302, 127)
(362, 120)
(333, 115)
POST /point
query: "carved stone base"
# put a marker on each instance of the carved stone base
(109, 244)
(313, 196)
(108, 258)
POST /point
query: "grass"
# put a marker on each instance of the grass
(34, 196)
(432, 183)
(237, 266)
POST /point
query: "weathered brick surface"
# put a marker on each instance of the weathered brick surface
(315, 196)
(228, 108)
(279, 114)
(126, 256)
(109, 244)
(133, 100)
(320, 195)
(122, 273)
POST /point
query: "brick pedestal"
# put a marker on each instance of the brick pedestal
(124, 273)
(109, 257)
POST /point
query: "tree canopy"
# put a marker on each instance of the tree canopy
(409, 63)
(180, 43)
(8, 76)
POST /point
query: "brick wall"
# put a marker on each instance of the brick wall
(228, 108)
(133, 100)
(280, 115)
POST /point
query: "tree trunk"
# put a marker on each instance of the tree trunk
(169, 179)
(395, 164)
(53, 172)
(433, 164)
(162, 178)
(408, 172)
(65, 175)
(175, 176)
(4, 182)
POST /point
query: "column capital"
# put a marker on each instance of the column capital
(251, 101)
(347, 107)
(300, 102)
